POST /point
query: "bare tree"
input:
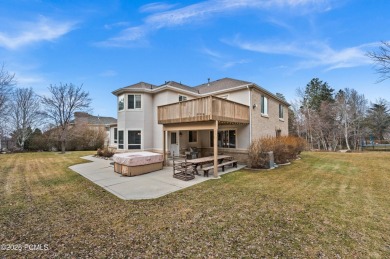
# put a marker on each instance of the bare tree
(381, 58)
(60, 106)
(25, 114)
(7, 81)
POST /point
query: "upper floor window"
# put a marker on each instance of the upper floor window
(281, 111)
(134, 102)
(121, 103)
(182, 98)
(264, 105)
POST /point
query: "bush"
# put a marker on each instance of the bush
(104, 152)
(285, 149)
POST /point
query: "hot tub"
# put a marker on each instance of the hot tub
(136, 163)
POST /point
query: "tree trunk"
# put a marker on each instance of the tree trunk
(63, 146)
(346, 135)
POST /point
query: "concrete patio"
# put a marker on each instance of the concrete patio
(147, 186)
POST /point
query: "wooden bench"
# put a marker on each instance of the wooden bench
(207, 169)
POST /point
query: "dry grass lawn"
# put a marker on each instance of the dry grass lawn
(324, 205)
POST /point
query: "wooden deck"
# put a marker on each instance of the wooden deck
(208, 108)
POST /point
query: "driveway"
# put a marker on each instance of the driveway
(146, 186)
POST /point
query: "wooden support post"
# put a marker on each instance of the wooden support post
(216, 149)
(164, 153)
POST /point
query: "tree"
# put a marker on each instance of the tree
(61, 104)
(381, 58)
(7, 82)
(378, 118)
(317, 92)
(25, 114)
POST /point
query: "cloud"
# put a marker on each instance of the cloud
(222, 61)
(311, 54)
(26, 33)
(156, 7)
(203, 11)
(230, 64)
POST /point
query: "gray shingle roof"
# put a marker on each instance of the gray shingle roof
(181, 86)
(93, 120)
(100, 120)
(220, 84)
(141, 85)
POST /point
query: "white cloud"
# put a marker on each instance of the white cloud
(206, 10)
(26, 33)
(230, 64)
(311, 54)
(156, 7)
(222, 61)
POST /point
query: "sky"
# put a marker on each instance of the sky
(277, 44)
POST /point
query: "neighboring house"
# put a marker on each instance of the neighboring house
(95, 122)
(228, 112)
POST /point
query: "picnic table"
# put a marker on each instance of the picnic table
(206, 160)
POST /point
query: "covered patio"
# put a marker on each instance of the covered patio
(201, 114)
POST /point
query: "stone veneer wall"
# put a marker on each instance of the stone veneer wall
(240, 155)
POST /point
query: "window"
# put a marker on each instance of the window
(280, 111)
(173, 138)
(192, 136)
(264, 105)
(121, 103)
(182, 98)
(120, 139)
(134, 139)
(115, 135)
(278, 133)
(226, 139)
(134, 102)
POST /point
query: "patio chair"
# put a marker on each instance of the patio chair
(182, 170)
(193, 153)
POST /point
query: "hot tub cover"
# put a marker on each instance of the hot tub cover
(138, 158)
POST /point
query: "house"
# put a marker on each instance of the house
(219, 116)
(98, 123)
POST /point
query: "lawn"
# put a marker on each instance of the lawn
(324, 205)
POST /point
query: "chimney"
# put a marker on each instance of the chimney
(208, 83)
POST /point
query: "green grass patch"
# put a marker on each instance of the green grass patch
(324, 205)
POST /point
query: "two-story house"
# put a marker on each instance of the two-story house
(221, 116)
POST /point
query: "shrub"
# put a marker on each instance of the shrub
(105, 152)
(285, 149)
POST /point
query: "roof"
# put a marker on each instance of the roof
(181, 86)
(200, 90)
(139, 85)
(220, 84)
(100, 120)
(93, 120)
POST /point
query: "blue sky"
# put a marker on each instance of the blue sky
(278, 44)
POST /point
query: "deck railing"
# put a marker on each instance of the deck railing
(203, 109)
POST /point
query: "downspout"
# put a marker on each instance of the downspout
(250, 114)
